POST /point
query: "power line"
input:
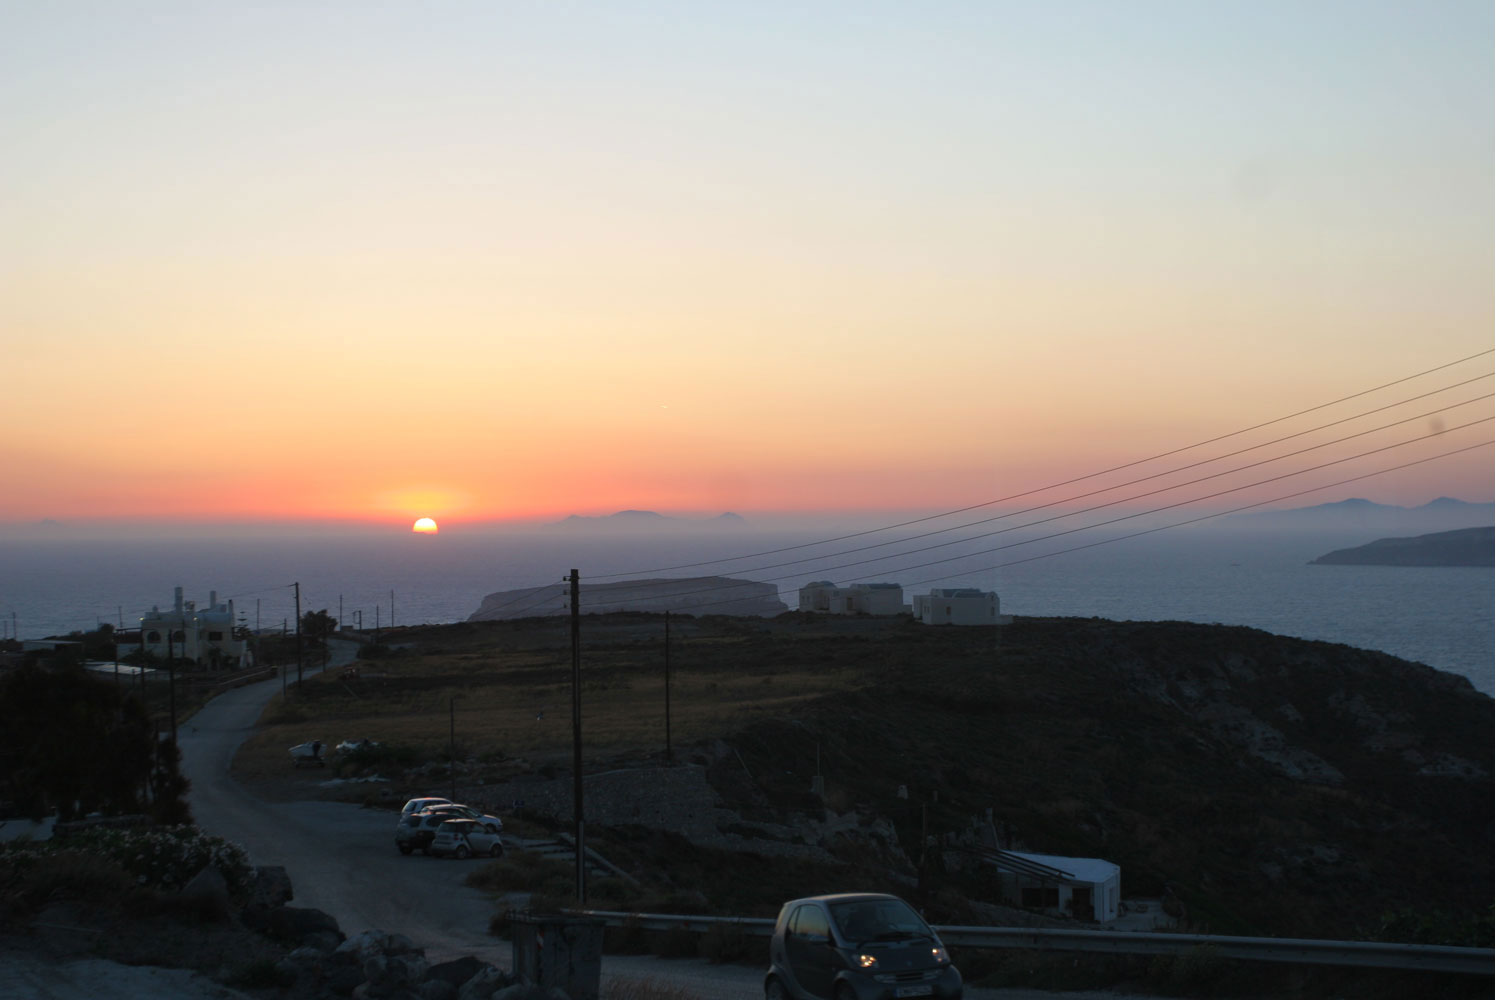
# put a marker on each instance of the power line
(1078, 479)
(1138, 514)
(1073, 513)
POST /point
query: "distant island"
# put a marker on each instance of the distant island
(639, 520)
(1464, 547)
(1372, 519)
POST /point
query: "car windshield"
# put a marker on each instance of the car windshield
(863, 920)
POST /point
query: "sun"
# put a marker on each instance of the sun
(425, 526)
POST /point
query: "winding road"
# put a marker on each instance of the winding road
(342, 860)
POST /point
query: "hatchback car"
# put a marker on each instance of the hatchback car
(857, 946)
(462, 838)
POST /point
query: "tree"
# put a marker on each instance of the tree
(317, 627)
(72, 742)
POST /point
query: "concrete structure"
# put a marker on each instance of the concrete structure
(204, 635)
(1083, 888)
(857, 599)
(959, 606)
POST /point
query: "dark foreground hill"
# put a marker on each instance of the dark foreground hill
(1280, 786)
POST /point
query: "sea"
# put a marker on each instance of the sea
(1439, 616)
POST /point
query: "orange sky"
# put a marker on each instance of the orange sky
(281, 265)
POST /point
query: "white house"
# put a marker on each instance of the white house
(1084, 888)
(815, 595)
(959, 606)
(857, 599)
(203, 635)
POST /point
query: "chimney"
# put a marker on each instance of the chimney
(177, 599)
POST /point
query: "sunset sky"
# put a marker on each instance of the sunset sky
(500, 261)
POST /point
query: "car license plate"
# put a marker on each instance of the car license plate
(913, 991)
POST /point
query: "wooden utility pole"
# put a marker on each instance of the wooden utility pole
(297, 604)
(667, 695)
(579, 847)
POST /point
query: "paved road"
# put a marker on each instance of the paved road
(342, 859)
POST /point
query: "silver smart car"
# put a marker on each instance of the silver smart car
(857, 946)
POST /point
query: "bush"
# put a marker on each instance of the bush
(164, 858)
(35, 878)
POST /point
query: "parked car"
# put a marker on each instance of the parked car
(857, 946)
(351, 746)
(415, 830)
(463, 838)
(418, 805)
(458, 811)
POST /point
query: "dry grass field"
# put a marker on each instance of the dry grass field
(510, 689)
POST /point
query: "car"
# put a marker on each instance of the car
(857, 946)
(415, 829)
(463, 838)
(418, 805)
(354, 746)
(458, 811)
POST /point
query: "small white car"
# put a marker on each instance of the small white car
(463, 838)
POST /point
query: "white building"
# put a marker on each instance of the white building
(959, 606)
(1084, 888)
(203, 635)
(857, 599)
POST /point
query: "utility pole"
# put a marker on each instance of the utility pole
(393, 609)
(341, 612)
(579, 848)
(171, 687)
(297, 604)
(667, 692)
(451, 748)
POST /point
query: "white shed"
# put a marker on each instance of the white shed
(1088, 888)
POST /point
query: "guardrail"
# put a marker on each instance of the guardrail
(1366, 954)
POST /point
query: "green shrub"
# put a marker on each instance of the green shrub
(36, 879)
(163, 858)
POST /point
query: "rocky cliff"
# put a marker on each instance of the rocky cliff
(700, 595)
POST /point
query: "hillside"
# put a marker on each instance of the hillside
(1464, 547)
(1280, 786)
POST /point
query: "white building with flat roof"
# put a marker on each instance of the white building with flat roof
(204, 635)
(959, 606)
(857, 599)
(1083, 888)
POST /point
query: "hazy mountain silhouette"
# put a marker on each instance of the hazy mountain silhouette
(648, 520)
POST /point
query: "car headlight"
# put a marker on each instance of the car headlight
(940, 955)
(866, 961)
